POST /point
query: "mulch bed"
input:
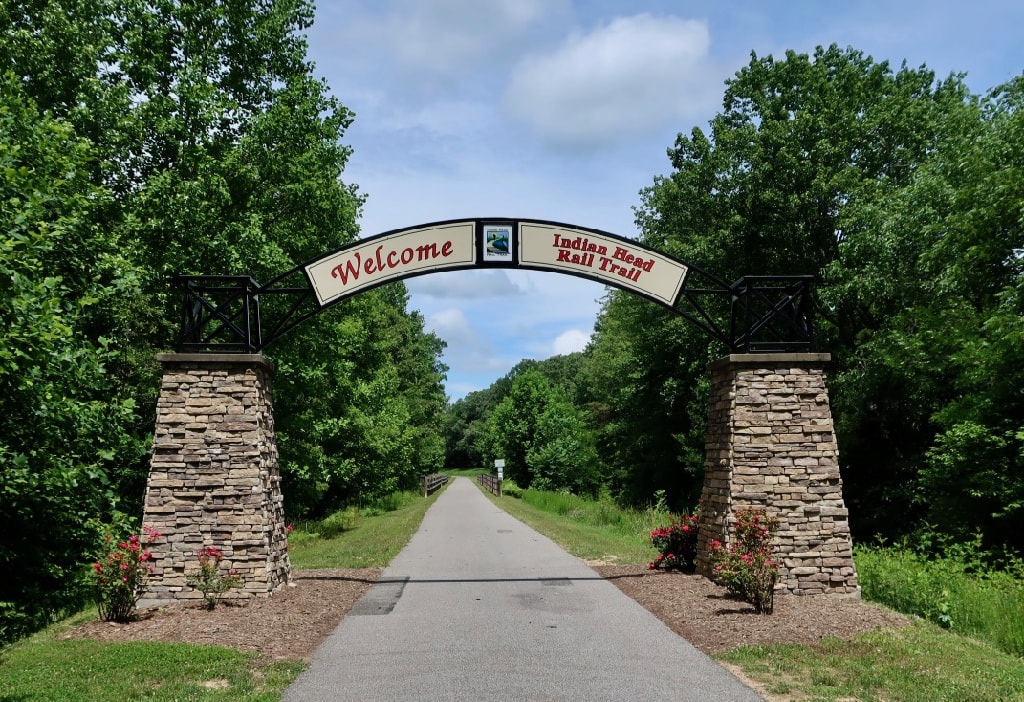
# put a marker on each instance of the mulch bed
(293, 621)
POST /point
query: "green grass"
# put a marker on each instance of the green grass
(954, 592)
(464, 472)
(918, 663)
(367, 537)
(44, 668)
(594, 530)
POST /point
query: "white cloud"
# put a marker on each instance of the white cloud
(468, 285)
(571, 341)
(468, 348)
(452, 326)
(632, 74)
(442, 39)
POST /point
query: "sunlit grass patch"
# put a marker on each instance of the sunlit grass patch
(595, 530)
(965, 598)
(364, 537)
(43, 668)
(919, 663)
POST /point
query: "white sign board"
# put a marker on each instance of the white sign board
(390, 257)
(613, 260)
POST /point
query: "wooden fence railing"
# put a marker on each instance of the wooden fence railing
(490, 482)
(433, 482)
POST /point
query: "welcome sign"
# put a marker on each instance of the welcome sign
(392, 257)
(496, 243)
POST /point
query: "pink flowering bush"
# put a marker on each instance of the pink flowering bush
(208, 579)
(676, 544)
(747, 567)
(120, 578)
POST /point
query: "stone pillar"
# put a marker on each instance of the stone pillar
(214, 478)
(771, 444)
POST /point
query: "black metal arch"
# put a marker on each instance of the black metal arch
(236, 314)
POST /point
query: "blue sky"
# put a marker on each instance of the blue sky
(563, 110)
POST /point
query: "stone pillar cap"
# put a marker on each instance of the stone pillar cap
(772, 359)
(216, 358)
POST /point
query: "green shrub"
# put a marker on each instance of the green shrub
(955, 590)
(335, 523)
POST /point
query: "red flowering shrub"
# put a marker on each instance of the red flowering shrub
(747, 567)
(120, 578)
(208, 579)
(676, 544)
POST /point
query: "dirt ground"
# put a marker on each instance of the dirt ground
(293, 621)
(703, 614)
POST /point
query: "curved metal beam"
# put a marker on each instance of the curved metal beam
(756, 313)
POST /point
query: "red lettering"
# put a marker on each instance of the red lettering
(426, 251)
(346, 269)
(382, 260)
(563, 256)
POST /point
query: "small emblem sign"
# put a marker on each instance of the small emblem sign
(498, 242)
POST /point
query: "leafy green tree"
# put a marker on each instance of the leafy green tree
(563, 454)
(513, 424)
(795, 176)
(62, 425)
(421, 375)
(159, 138)
(645, 373)
(974, 276)
(543, 437)
(379, 426)
(466, 429)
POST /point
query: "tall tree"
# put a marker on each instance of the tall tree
(971, 322)
(794, 178)
(543, 436)
(62, 427)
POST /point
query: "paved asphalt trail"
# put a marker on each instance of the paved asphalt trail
(480, 607)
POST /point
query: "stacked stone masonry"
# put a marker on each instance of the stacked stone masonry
(214, 477)
(771, 445)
